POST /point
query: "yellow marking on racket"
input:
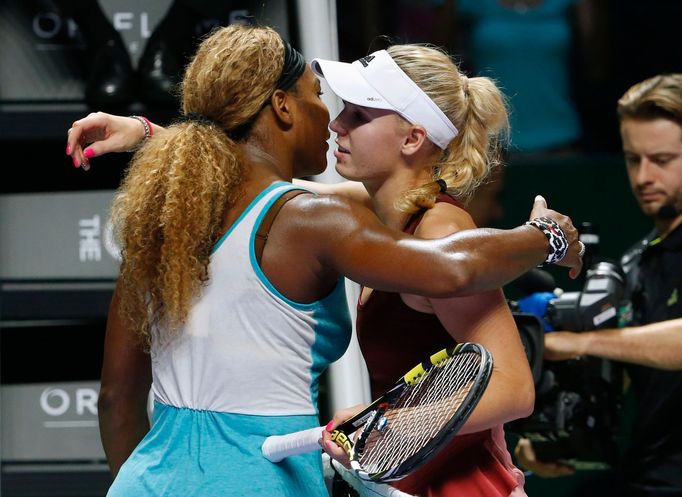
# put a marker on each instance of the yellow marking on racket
(412, 377)
(439, 357)
(340, 439)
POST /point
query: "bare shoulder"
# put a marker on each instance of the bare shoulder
(320, 224)
(327, 212)
(441, 220)
(444, 219)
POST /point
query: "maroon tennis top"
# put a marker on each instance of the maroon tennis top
(394, 338)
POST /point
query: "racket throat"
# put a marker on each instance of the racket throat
(376, 422)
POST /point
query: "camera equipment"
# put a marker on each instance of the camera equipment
(596, 306)
(576, 407)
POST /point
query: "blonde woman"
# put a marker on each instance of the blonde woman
(420, 137)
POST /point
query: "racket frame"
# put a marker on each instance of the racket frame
(370, 415)
(275, 448)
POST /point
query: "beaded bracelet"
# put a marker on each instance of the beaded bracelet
(148, 131)
(558, 243)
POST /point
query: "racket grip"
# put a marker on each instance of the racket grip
(366, 488)
(277, 447)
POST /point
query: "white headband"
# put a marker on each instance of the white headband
(377, 81)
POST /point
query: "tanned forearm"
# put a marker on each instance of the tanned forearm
(657, 345)
(495, 258)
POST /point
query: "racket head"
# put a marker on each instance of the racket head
(428, 406)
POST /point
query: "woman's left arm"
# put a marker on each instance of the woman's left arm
(485, 319)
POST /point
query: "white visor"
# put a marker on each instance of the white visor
(376, 81)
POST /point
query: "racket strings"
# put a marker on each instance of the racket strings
(421, 412)
(438, 400)
(410, 427)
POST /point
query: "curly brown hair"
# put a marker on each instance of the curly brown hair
(169, 211)
(476, 106)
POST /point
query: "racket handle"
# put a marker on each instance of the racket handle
(366, 488)
(277, 447)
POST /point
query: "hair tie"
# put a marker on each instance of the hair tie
(465, 84)
(442, 185)
(197, 118)
(292, 69)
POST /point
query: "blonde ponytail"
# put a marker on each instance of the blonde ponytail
(475, 106)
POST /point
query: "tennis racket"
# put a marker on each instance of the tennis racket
(350, 483)
(402, 429)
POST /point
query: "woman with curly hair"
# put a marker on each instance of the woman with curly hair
(232, 276)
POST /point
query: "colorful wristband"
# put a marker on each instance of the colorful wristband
(148, 130)
(558, 243)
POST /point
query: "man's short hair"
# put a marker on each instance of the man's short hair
(653, 98)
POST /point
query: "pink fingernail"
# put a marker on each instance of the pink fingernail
(88, 153)
(329, 426)
(68, 150)
(75, 162)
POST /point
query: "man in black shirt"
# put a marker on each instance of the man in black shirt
(650, 116)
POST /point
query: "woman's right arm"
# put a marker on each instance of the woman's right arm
(100, 133)
(126, 380)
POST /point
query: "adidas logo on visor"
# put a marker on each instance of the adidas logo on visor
(377, 81)
(366, 60)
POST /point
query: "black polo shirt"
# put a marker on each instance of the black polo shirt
(654, 461)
